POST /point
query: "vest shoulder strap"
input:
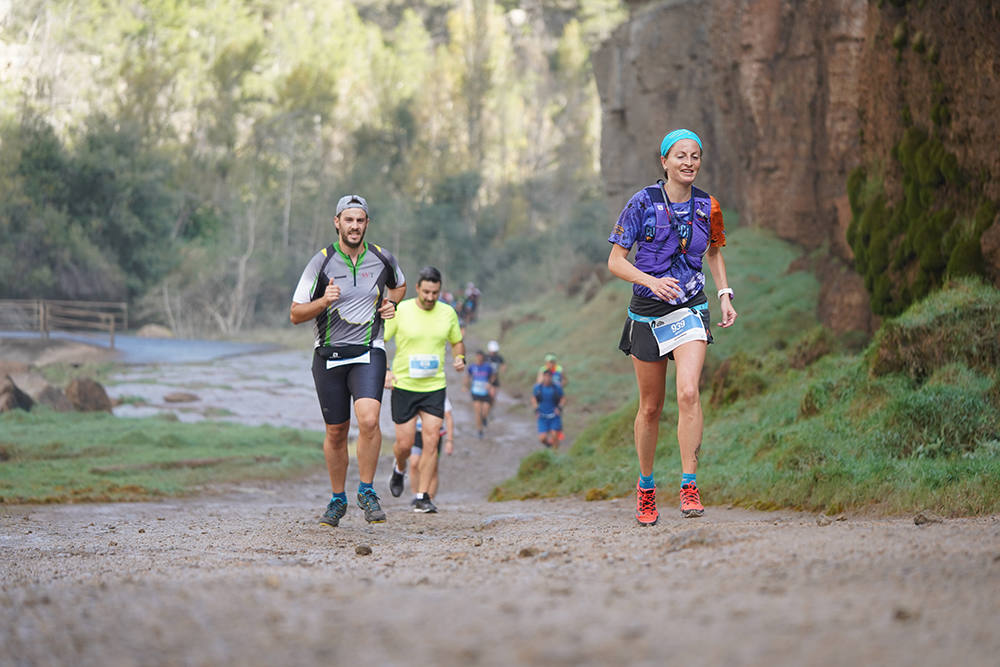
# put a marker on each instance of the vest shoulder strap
(655, 193)
(662, 219)
(321, 279)
(391, 280)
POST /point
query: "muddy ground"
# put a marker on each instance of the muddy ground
(245, 575)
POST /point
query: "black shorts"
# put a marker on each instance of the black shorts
(337, 386)
(637, 337)
(406, 404)
(482, 399)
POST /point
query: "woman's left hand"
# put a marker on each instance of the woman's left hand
(728, 312)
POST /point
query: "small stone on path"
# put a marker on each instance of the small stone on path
(924, 517)
(180, 397)
(363, 550)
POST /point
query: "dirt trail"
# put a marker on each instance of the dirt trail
(245, 575)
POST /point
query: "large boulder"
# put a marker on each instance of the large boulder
(87, 395)
(12, 398)
(53, 397)
(38, 388)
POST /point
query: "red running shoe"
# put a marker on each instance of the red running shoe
(691, 506)
(645, 502)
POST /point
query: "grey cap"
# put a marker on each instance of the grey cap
(352, 201)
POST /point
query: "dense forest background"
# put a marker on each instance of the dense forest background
(186, 156)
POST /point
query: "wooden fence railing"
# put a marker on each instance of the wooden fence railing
(44, 316)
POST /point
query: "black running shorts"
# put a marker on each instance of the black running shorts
(337, 386)
(406, 404)
(637, 337)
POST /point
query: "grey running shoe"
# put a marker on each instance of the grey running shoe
(334, 512)
(424, 505)
(396, 483)
(368, 501)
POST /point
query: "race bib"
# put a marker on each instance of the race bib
(679, 327)
(480, 387)
(363, 359)
(424, 365)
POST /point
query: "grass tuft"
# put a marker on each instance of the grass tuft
(959, 323)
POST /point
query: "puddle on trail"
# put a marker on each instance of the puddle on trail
(270, 388)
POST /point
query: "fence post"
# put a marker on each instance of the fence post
(43, 318)
(112, 330)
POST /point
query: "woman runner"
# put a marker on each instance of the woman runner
(676, 226)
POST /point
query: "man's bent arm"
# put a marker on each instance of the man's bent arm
(396, 293)
(303, 312)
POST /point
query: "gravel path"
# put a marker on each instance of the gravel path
(245, 575)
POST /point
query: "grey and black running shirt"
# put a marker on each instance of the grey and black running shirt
(353, 318)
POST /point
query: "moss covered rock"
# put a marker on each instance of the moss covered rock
(960, 323)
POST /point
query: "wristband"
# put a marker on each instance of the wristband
(394, 303)
(727, 290)
(460, 356)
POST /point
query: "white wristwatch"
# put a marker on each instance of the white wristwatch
(727, 290)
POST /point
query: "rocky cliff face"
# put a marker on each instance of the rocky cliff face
(778, 91)
(934, 67)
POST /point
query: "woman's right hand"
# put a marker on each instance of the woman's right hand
(665, 288)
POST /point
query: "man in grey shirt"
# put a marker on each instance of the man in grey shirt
(349, 288)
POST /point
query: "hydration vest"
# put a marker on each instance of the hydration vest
(328, 252)
(323, 319)
(679, 238)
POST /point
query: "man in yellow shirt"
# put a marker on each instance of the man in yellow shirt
(422, 328)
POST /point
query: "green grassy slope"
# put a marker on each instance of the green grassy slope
(794, 417)
(47, 456)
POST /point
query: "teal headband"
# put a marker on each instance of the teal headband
(675, 136)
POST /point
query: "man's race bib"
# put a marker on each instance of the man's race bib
(480, 387)
(363, 359)
(424, 365)
(679, 327)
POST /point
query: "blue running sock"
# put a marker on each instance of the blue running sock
(646, 482)
(341, 496)
(365, 486)
(688, 478)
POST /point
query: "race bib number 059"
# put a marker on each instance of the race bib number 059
(679, 327)
(424, 365)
